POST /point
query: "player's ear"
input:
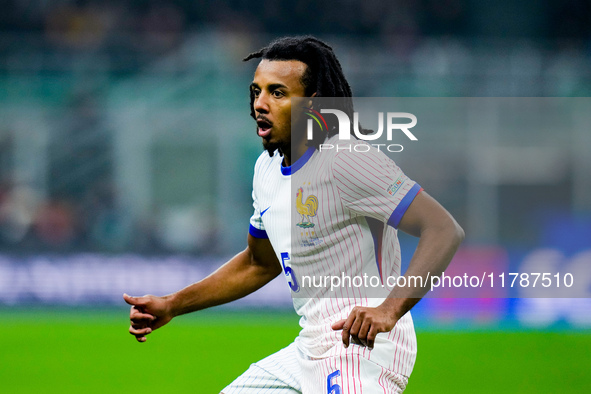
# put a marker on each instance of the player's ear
(311, 101)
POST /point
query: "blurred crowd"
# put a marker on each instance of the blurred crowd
(75, 207)
(33, 223)
(90, 23)
(128, 34)
(30, 222)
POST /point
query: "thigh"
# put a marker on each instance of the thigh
(349, 373)
(278, 374)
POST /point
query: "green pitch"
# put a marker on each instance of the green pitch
(74, 351)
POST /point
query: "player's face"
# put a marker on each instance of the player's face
(275, 83)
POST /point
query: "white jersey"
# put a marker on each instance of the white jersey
(334, 213)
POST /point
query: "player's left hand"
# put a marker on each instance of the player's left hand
(364, 323)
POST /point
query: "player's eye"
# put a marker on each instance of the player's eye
(256, 92)
(277, 93)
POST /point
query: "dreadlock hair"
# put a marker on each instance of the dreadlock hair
(323, 76)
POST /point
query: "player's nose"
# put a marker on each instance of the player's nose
(261, 103)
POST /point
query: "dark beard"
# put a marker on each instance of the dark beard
(271, 147)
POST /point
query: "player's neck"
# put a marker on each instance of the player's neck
(291, 155)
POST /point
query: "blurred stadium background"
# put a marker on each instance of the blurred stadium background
(126, 156)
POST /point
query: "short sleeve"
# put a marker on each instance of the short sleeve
(257, 228)
(371, 184)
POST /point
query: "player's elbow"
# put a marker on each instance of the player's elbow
(454, 231)
(448, 229)
(459, 233)
(274, 270)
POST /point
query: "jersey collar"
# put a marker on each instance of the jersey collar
(299, 163)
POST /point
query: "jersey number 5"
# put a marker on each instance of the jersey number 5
(288, 271)
(333, 388)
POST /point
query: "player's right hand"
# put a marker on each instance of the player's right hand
(147, 314)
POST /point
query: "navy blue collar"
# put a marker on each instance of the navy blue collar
(299, 162)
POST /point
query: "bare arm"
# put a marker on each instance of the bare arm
(246, 272)
(439, 237)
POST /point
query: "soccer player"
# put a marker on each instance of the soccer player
(351, 341)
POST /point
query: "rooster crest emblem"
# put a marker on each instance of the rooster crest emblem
(306, 209)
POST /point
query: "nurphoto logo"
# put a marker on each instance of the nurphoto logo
(344, 123)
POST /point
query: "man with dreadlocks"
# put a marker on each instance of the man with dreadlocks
(351, 342)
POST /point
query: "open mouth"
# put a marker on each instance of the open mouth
(264, 127)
